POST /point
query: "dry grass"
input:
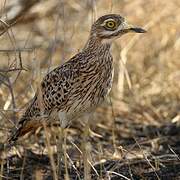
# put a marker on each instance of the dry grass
(137, 132)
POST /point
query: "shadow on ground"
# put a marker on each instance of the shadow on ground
(158, 149)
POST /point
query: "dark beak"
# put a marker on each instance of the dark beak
(131, 28)
(137, 30)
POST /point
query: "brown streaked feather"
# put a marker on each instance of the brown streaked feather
(79, 85)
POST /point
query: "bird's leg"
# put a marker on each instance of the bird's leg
(60, 140)
(50, 153)
(86, 146)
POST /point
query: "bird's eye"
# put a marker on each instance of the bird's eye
(111, 24)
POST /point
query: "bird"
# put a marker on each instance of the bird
(78, 86)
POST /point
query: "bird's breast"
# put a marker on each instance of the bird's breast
(94, 85)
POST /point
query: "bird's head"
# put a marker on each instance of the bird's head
(112, 26)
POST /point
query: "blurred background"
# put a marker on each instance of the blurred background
(38, 35)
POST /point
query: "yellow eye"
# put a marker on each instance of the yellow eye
(110, 24)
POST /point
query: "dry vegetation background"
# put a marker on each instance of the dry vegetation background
(137, 129)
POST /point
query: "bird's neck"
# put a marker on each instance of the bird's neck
(98, 53)
(95, 44)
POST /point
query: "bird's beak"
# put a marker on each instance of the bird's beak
(131, 28)
(137, 30)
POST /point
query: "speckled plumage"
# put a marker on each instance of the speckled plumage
(79, 85)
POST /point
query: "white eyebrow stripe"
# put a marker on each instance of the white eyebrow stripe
(109, 20)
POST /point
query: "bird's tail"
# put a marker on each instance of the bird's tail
(15, 133)
(25, 126)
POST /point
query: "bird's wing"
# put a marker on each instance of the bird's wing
(54, 92)
(58, 85)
